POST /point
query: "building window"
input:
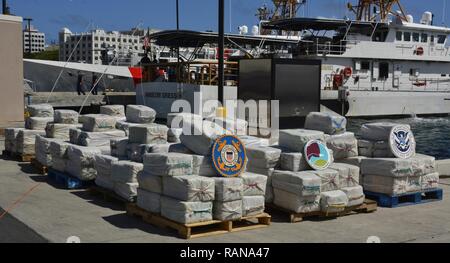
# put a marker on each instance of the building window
(424, 38)
(399, 36)
(416, 37)
(407, 36)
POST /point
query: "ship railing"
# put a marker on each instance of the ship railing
(416, 85)
(326, 48)
(198, 72)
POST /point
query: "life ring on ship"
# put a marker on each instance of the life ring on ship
(419, 51)
(348, 72)
(338, 81)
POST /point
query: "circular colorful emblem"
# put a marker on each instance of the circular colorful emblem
(317, 155)
(229, 156)
(402, 142)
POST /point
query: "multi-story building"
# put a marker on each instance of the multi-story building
(37, 40)
(101, 47)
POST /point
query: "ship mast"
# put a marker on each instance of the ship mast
(284, 9)
(377, 10)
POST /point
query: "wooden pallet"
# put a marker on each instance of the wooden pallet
(202, 229)
(407, 199)
(109, 195)
(369, 206)
(67, 181)
(24, 158)
(42, 169)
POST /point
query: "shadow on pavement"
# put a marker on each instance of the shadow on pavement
(98, 200)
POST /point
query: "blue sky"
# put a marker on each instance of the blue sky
(51, 15)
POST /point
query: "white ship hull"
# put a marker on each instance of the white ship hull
(391, 103)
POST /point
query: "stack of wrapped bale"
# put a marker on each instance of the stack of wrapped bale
(236, 126)
(263, 160)
(393, 176)
(64, 120)
(103, 165)
(40, 115)
(253, 141)
(254, 194)
(374, 142)
(124, 176)
(119, 148)
(11, 139)
(80, 162)
(42, 149)
(175, 123)
(200, 136)
(136, 115)
(117, 111)
(142, 139)
(59, 155)
(229, 200)
(99, 130)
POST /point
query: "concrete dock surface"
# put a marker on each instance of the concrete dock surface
(47, 213)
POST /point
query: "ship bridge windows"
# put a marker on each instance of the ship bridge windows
(432, 39)
(424, 38)
(441, 39)
(399, 36)
(407, 36)
(416, 37)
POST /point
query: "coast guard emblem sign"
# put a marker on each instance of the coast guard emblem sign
(229, 156)
(402, 142)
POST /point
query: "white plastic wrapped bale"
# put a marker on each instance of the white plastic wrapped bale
(430, 181)
(173, 135)
(377, 131)
(227, 211)
(149, 201)
(269, 174)
(189, 188)
(99, 123)
(423, 164)
(176, 120)
(253, 205)
(392, 185)
(382, 149)
(295, 140)
(103, 166)
(168, 164)
(298, 183)
(293, 162)
(349, 175)
(331, 124)
(366, 148)
(253, 141)
(26, 140)
(343, 145)
(11, 139)
(125, 126)
(43, 155)
(152, 134)
(136, 152)
(296, 203)
(330, 180)
(202, 137)
(228, 189)
(203, 166)
(60, 130)
(119, 147)
(99, 139)
(125, 171)
(140, 114)
(150, 183)
(37, 123)
(263, 157)
(333, 201)
(66, 117)
(254, 184)
(186, 212)
(117, 111)
(237, 127)
(81, 162)
(74, 136)
(179, 148)
(391, 167)
(355, 195)
(58, 151)
(41, 110)
(127, 191)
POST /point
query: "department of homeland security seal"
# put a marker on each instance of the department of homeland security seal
(229, 156)
(402, 142)
(317, 155)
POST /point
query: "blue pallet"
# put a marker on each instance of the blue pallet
(69, 182)
(422, 197)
